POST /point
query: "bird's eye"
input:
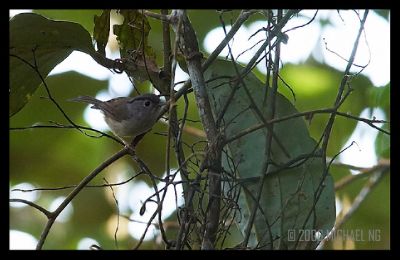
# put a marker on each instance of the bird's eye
(147, 103)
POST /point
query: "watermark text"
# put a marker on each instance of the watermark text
(356, 235)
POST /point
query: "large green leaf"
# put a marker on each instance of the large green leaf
(316, 86)
(36, 39)
(132, 36)
(289, 199)
(102, 30)
(133, 33)
(82, 16)
(383, 13)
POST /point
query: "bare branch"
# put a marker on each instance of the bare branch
(382, 165)
(362, 195)
(328, 128)
(61, 126)
(244, 15)
(117, 206)
(76, 191)
(264, 169)
(34, 205)
(190, 49)
(308, 114)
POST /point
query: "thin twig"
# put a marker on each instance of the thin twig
(76, 191)
(308, 114)
(383, 165)
(341, 57)
(149, 222)
(190, 50)
(328, 128)
(153, 179)
(166, 50)
(118, 215)
(267, 152)
(169, 67)
(243, 16)
(34, 205)
(73, 186)
(299, 26)
(60, 126)
(173, 129)
(362, 195)
(35, 67)
(163, 17)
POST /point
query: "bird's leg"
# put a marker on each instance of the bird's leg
(137, 139)
(131, 146)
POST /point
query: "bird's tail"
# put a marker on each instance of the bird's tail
(87, 99)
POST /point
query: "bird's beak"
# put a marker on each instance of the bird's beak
(162, 101)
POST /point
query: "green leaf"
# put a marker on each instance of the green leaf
(82, 16)
(380, 97)
(383, 13)
(102, 30)
(316, 86)
(132, 36)
(132, 33)
(58, 150)
(289, 195)
(43, 44)
(382, 143)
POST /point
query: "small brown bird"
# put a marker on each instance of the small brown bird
(127, 116)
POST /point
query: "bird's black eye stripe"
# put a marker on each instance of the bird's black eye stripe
(149, 97)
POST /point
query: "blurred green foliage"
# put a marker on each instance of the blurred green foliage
(39, 47)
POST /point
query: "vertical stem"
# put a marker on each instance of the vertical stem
(166, 43)
(190, 50)
(174, 132)
(270, 115)
(329, 125)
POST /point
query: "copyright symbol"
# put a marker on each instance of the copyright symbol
(291, 235)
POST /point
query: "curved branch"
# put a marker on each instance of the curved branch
(362, 195)
(34, 205)
(383, 165)
(76, 191)
(60, 126)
